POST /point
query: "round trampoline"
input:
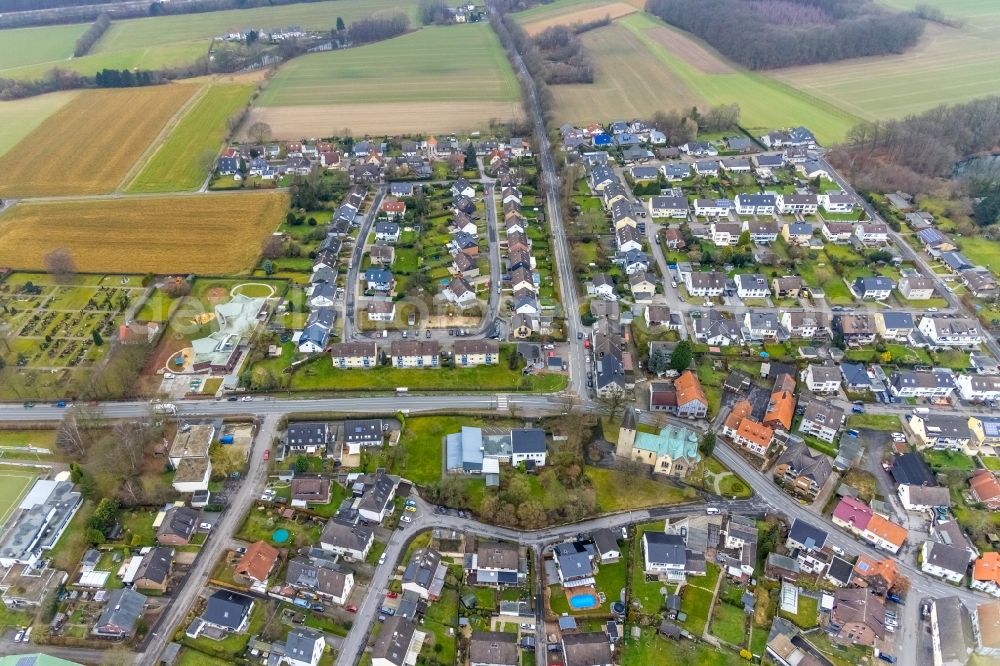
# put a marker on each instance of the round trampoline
(280, 536)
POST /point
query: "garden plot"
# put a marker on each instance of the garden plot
(54, 329)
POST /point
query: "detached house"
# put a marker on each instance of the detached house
(985, 488)
(857, 329)
(803, 471)
(822, 378)
(705, 283)
(675, 207)
(752, 285)
(806, 324)
(712, 207)
(872, 233)
(746, 432)
(755, 204)
(822, 421)
(875, 288)
(664, 555)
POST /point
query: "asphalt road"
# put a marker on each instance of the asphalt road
(351, 288)
(222, 532)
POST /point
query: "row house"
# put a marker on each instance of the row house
(354, 355)
(937, 383)
(797, 204)
(675, 207)
(712, 207)
(415, 353)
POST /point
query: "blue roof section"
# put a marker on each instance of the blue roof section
(465, 449)
(855, 374)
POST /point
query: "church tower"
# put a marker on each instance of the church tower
(626, 435)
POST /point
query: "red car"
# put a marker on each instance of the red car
(351, 609)
(391, 595)
(586, 343)
(267, 454)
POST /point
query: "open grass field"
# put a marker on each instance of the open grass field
(19, 117)
(207, 234)
(151, 43)
(14, 483)
(89, 145)
(412, 80)
(29, 46)
(644, 65)
(948, 65)
(180, 162)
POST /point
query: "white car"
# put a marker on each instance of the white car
(406, 519)
(168, 375)
(898, 437)
(247, 398)
(205, 526)
(934, 309)
(838, 550)
(381, 559)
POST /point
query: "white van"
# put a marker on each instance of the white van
(712, 511)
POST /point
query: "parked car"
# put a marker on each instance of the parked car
(351, 609)
(391, 595)
(887, 657)
(381, 559)
(406, 519)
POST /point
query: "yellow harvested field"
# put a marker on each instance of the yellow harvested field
(208, 234)
(294, 122)
(575, 14)
(89, 145)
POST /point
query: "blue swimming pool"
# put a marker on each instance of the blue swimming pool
(582, 601)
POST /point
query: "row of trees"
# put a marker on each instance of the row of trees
(125, 78)
(89, 38)
(378, 26)
(564, 60)
(919, 154)
(809, 31)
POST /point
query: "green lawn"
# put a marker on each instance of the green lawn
(991, 463)
(420, 452)
(806, 617)
(320, 374)
(948, 460)
(651, 648)
(30, 46)
(259, 526)
(874, 421)
(436, 64)
(729, 624)
(981, 250)
(180, 163)
(441, 622)
(611, 579)
(696, 602)
(642, 493)
(14, 483)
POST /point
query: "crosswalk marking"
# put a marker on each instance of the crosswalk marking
(501, 402)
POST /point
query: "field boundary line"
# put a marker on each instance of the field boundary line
(17, 500)
(161, 139)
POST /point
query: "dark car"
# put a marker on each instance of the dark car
(319, 608)
(887, 657)
(893, 597)
(28, 405)
(232, 398)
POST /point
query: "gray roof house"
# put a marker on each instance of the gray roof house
(425, 573)
(228, 611)
(804, 535)
(494, 648)
(121, 614)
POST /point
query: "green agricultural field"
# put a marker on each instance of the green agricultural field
(686, 71)
(436, 79)
(150, 43)
(452, 63)
(31, 46)
(948, 65)
(19, 117)
(184, 160)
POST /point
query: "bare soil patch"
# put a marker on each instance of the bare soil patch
(295, 122)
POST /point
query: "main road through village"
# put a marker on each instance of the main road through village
(269, 410)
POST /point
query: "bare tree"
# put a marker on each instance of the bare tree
(68, 436)
(259, 132)
(60, 263)
(272, 248)
(612, 403)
